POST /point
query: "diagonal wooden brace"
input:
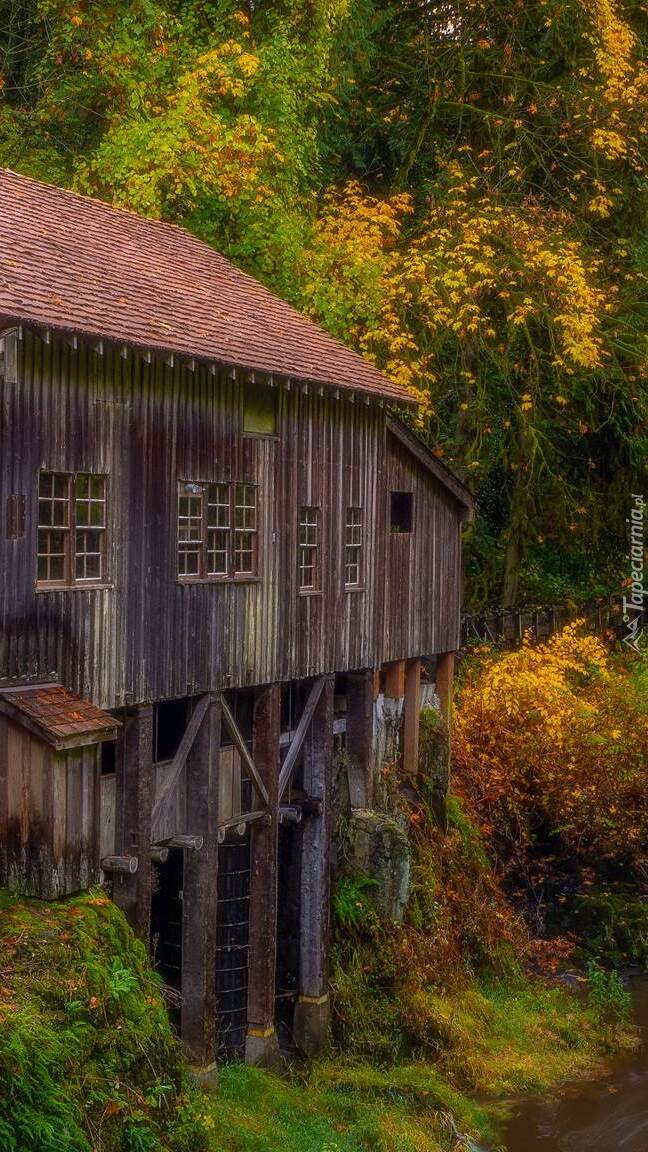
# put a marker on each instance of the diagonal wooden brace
(180, 758)
(297, 741)
(230, 724)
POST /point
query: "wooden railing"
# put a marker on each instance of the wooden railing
(506, 626)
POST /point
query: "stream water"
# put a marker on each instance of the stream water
(605, 1115)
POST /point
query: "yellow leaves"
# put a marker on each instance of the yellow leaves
(474, 271)
(248, 64)
(600, 206)
(622, 85)
(557, 730)
(611, 144)
(202, 139)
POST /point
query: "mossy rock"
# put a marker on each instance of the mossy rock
(613, 926)
(85, 1041)
(378, 847)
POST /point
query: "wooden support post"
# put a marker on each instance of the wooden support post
(198, 1009)
(133, 803)
(312, 1012)
(412, 710)
(261, 1046)
(359, 737)
(395, 680)
(444, 682)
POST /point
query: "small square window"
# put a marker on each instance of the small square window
(260, 410)
(402, 504)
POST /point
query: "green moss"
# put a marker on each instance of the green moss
(613, 927)
(469, 837)
(85, 1043)
(449, 988)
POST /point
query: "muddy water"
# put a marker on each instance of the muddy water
(606, 1115)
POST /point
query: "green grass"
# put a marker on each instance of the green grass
(340, 1106)
(88, 1062)
(496, 1038)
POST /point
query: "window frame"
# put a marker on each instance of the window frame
(247, 391)
(231, 574)
(312, 548)
(357, 546)
(73, 531)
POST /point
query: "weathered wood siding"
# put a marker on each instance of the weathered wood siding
(147, 636)
(49, 815)
(423, 568)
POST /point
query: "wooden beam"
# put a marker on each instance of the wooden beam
(261, 1042)
(198, 982)
(133, 800)
(395, 680)
(126, 864)
(177, 764)
(359, 737)
(312, 1011)
(242, 747)
(260, 814)
(444, 678)
(412, 712)
(297, 741)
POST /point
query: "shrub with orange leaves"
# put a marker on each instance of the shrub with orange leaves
(551, 747)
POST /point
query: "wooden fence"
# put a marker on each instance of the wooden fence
(506, 626)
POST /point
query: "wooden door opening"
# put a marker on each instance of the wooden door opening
(166, 927)
(288, 932)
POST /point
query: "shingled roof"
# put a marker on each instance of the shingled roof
(74, 263)
(58, 716)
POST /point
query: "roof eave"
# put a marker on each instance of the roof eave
(390, 395)
(439, 470)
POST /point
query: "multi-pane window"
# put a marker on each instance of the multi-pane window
(245, 532)
(217, 531)
(219, 523)
(191, 503)
(71, 529)
(353, 547)
(308, 549)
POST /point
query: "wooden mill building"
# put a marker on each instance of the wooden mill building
(221, 553)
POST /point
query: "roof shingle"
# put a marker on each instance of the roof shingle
(70, 262)
(58, 716)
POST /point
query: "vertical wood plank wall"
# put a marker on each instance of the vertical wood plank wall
(147, 636)
(49, 815)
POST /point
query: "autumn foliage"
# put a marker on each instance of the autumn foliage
(551, 748)
(456, 190)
